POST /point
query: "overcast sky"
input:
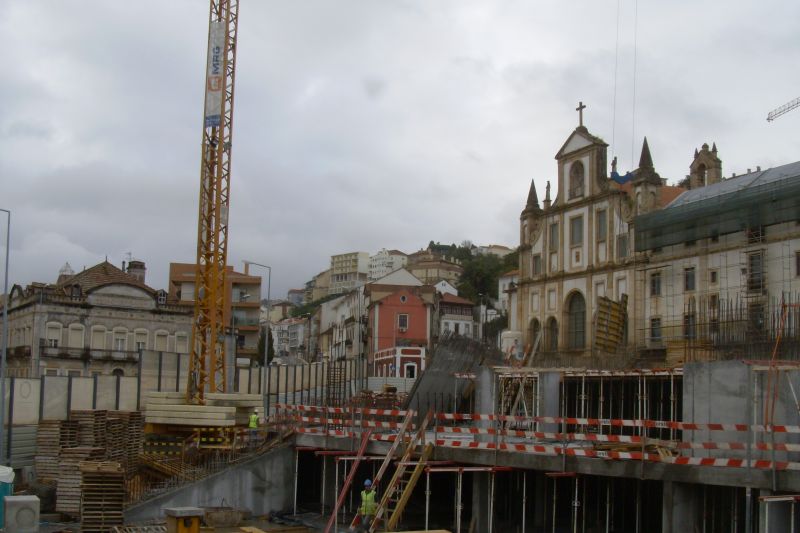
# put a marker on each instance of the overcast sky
(361, 124)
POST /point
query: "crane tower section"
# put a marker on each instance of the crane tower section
(207, 361)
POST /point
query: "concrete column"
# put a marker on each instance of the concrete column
(540, 499)
(682, 509)
(330, 481)
(480, 501)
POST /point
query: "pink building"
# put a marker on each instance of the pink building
(399, 333)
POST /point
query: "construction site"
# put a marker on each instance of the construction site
(667, 403)
(473, 445)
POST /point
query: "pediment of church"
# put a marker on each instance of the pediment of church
(579, 139)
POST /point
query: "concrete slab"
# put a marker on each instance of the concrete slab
(199, 422)
(173, 407)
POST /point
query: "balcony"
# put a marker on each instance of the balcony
(87, 354)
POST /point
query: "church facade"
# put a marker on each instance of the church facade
(577, 248)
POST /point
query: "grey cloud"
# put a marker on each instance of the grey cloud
(358, 124)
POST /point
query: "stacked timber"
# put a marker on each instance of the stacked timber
(220, 409)
(91, 427)
(52, 436)
(115, 441)
(103, 495)
(68, 488)
(134, 437)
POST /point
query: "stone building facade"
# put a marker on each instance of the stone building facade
(94, 322)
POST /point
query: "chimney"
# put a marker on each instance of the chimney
(137, 269)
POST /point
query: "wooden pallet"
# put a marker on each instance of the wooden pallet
(51, 437)
(92, 426)
(102, 495)
(68, 486)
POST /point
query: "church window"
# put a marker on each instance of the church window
(554, 237)
(576, 326)
(533, 331)
(602, 225)
(576, 180)
(576, 231)
(622, 246)
(536, 265)
(551, 335)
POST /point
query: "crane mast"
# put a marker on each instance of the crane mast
(207, 361)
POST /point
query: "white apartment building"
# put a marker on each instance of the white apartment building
(289, 337)
(348, 271)
(385, 262)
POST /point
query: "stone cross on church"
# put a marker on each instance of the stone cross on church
(580, 109)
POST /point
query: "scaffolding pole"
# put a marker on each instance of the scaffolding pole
(427, 497)
(524, 499)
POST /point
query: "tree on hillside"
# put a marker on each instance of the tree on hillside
(480, 277)
(511, 261)
(309, 308)
(265, 344)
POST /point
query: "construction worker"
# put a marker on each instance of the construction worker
(252, 426)
(368, 506)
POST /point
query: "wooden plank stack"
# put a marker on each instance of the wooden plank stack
(68, 488)
(609, 324)
(89, 435)
(103, 488)
(133, 438)
(115, 441)
(52, 436)
(220, 410)
(92, 427)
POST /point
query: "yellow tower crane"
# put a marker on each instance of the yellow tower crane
(207, 371)
(785, 108)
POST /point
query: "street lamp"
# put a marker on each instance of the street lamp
(4, 343)
(269, 324)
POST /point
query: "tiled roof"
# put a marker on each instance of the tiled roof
(666, 193)
(101, 275)
(510, 273)
(452, 299)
